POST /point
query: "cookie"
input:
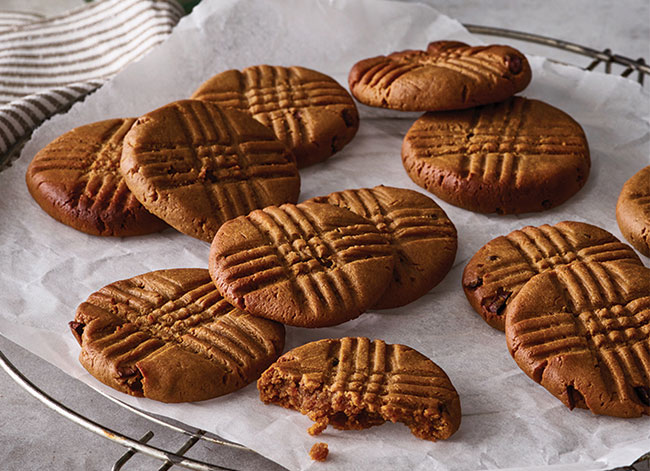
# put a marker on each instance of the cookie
(307, 110)
(76, 180)
(633, 211)
(306, 265)
(516, 156)
(354, 383)
(499, 270)
(168, 335)
(196, 165)
(581, 331)
(424, 238)
(449, 75)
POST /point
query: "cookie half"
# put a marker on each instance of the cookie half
(633, 211)
(196, 165)
(168, 335)
(449, 75)
(307, 110)
(424, 238)
(516, 156)
(306, 265)
(499, 270)
(76, 180)
(354, 383)
(581, 331)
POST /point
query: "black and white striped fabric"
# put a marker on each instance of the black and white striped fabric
(46, 64)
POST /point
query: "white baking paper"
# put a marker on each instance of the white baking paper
(508, 422)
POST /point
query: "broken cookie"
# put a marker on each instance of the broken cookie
(354, 383)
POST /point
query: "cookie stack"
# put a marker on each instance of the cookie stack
(329, 259)
(193, 164)
(575, 306)
(477, 147)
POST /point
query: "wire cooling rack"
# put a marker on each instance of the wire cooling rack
(610, 62)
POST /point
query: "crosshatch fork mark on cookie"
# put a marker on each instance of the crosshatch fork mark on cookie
(496, 143)
(356, 383)
(500, 269)
(228, 159)
(547, 247)
(602, 320)
(263, 96)
(94, 167)
(393, 67)
(211, 155)
(185, 320)
(303, 254)
(399, 224)
(422, 235)
(152, 311)
(265, 93)
(372, 370)
(276, 95)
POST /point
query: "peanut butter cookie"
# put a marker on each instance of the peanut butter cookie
(307, 110)
(76, 180)
(633, 211)
(424, 238)
(449, 75)
(581, 331)
(498, 271)
(196, 165)
(306, 265)
(354, 383)
(168, 335)
(516, 156)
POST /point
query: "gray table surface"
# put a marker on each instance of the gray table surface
(34, 437)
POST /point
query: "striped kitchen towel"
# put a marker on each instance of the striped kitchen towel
(46, 64)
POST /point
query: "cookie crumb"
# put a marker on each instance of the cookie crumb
(319, 451)
(317, 428)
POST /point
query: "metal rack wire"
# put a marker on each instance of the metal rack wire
(611, 62)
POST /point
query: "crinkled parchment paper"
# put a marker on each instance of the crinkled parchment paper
(508, 421)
